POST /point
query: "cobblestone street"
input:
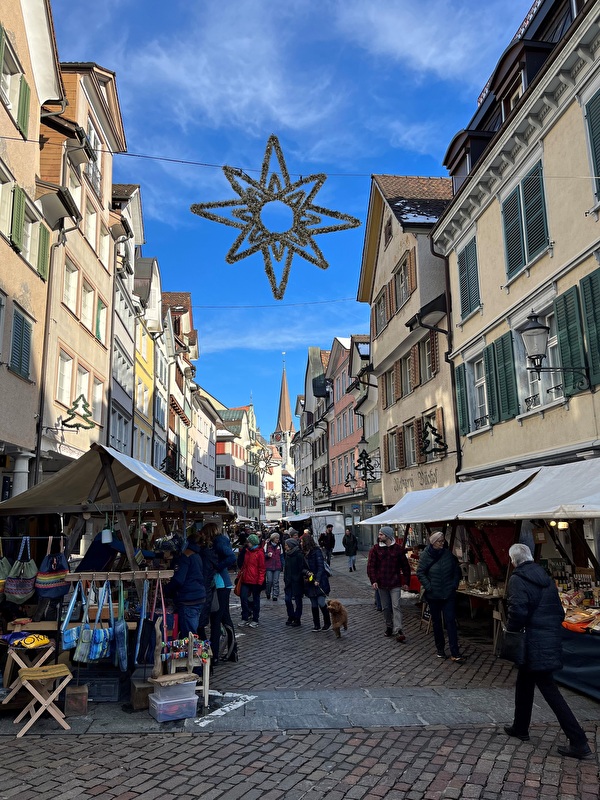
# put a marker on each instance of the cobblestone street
(362, 717)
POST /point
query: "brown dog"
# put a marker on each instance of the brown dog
(339, 616)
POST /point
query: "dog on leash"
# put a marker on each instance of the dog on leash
(339, 617)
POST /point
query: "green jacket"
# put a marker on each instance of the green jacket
(439, 577)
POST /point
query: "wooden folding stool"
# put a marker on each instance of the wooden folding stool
(37, 681)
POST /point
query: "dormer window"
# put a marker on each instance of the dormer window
(387, 232)
(512, 97)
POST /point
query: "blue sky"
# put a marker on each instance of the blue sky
(350, 87)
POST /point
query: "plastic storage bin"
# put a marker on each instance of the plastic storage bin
(168, 710)
(179, 691)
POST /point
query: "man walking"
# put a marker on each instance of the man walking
(389, 572)
(350, 545)
(327, 543)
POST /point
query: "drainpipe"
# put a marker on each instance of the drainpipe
(448, 360)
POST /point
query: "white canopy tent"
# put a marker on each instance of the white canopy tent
(565, 491)
(452, 502)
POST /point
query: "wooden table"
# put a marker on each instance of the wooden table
(498, 614)
(25, 658)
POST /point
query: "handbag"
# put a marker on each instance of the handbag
(70, 636)
(512, 646)
(4, 571)
(237, 589)
(82, 647)
(50, 581)
(102, 638)
(20, 584)
(327, 568)
(121, 633)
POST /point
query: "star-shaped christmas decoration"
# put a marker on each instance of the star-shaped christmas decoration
(263, 463)
(273, 193)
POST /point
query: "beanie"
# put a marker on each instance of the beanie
(292, 544)
(253, 540)
(435, 537)
(388, 531)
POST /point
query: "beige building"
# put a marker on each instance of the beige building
(522, 239)
(404, 284)
(30, 87)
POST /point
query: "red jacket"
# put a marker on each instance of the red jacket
(388, 566)
(253, 569)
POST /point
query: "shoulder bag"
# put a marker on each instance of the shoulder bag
(70, 636)
(102, 638)
(512, 646)
(84, 640)
(20, 584)
(4, 571)
(50, 581)
(121, 633)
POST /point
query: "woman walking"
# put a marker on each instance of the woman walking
(251, 561)
(220, 614)
(316, 582)
(273, 563)
(293, 581)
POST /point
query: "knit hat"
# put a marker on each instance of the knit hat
(291, 544)
(435, 537)
(274, 537)
(388, 531)
(253, 540)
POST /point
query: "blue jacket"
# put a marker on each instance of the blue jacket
(533, 604)
(316, 565)
(187, 584)
(225, 557)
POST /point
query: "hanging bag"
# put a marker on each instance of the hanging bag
(82, 649)
(121, 633)
(51, 580)
(4, 571)
(102, 638)
(20, 584)
(70, 636)
(139, 655)
(512, 646)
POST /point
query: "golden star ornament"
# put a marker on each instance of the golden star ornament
(275, 193)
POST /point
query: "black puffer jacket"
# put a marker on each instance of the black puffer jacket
(439, 576)
(533, 604)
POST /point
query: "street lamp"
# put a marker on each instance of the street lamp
(535, 339)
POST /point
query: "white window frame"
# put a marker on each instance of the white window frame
(70, 285)
(402, 284)
(392, 440)
(410, 445)
(91, 223)
(64, 378)
(6, 201)
(97, 399)
(82, 382)
(88, 304)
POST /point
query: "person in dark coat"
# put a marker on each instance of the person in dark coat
(327, 542)
(389, 572)
(293, 582)
(187, 586)
(316, 582)
(350, 545)
(439, 573)
(533, 603)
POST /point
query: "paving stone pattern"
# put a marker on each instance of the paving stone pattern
(318, 678)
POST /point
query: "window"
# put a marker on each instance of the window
(425, 362)
(338, 388)
(101, 321)
(340, 471)
(87, 305)
(402, 284)
(20, 353)
(6, 192)
(82, 385)
(389, 393)
(410, 447)
(70, 285)
(350, 422)
(91, 223)
(592, 112)
(468, 279)
(104, 248)
(380, 314)
(339, 429)
(344, 425)
(524, 221)
(392, 448)
(14, 89)
(387, 232)
(93, 167)
(120, 427)
(480, 411)
(344, 381)
(220, 472)
(74, 186)
(2, 315)
(65, 374)
(406, 375)
(97, 398)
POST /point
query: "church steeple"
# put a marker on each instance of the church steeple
(285, 430)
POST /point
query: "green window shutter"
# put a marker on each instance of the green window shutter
(462, 404)
(491, 384)
(513, 233)
(534, 211)
(508, 398)
(21, 345)
(468, 278)
(570, 337)
(590, 296)
(593, 119)
(18, 218)
(2, 40)
(23, 109)
(463, 282)
(43, 258)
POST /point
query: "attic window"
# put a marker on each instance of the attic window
(387, 232)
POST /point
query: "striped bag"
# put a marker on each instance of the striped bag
(51, 579)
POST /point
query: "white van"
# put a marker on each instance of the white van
(319, 521)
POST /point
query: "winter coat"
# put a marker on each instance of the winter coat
(350, 544)
(225, 557)
(327, 540)
(253, 568)
(388, 567)
(187, 584)
(533, 604)
(439, 575)
(316, 565)
(273, 561)
(293, 569)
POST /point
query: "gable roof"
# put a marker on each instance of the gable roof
(415, 200)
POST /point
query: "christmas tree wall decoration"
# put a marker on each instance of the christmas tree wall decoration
(275, 192)
(80, 408)
(431, 441)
